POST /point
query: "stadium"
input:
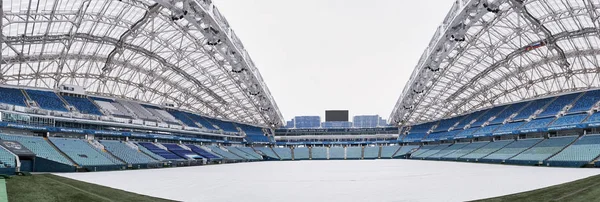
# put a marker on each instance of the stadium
(158, 100)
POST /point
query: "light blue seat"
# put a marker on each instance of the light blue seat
(240, 153)
(301, 153)
(39, 146)
(510, 150)
(486, 150)
(225, 154)
(404, 150)
(468, 148)
(7, 160)
(541, 151)
(283, 153)
(266, 151)
(389, 151)
(250, 152)
(579, 153)
(318, 153)
(371, 152)
(446, 151)
(353, 152)
(82, 152)
(429, 152)
(126, 153)
(337, 153)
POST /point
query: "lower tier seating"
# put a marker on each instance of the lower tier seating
(7, 160)
(301, 153)
(240, 153)
(159, 151)
(181, 152)
(225, 154)
(353, 152)
(266, 151)
(510, 150)
(371, 152)
(404, 150)
(250, 152)
(430, 151)
(318, 153)
(578, 154)
(541, 151)
(204, 153)
(283, 153)
(388, 151)
(446, 151)
(337, 153)
(485, 150)
(470, 147)
(39, 146)
(126, 153)
(81, 152)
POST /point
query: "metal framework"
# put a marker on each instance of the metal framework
(492, 52)
(178, 51)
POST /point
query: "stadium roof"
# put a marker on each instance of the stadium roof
(490, 52)
(178, 51)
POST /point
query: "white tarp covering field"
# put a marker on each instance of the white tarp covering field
(343, 180)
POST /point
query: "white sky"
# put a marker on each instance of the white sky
(335, 54)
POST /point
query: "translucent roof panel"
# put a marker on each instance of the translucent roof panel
(493, 52)
(182, 52)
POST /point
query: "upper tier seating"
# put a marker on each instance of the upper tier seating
(47, 100)
(160, 114)
(466, 133)
(83, 104)
(126, 153)
(159, 151)
(487, 115)
(569, 119)
(594, 118)
(558, 104)
(446, 151)
(267, 152)
(445, 124)
(511, 109)
(509, 127)
(413, 136)
(429, 152)
(371, 152)
(585, 102)
(301, 153)
(537, 123)
(531, 108)
(240, 153)
(353, 152)
(204, 153)
(510, 150)
(579, 153)
(137, 109)
(181, 152)
(201, 120)
(468, 148)
(224, 125)
(39, 146)
(223, 153)
(82, 152)
(486, 130)
(389, 151)
(283, 153)
(337, 153)
(404, 150)
(254, 134)
(183, 118)
(468, 119)
(442, 135)
(541, 151)
(318, 153)
(7, 160)
(12, 96)
(112, 107)
(250, 151)
(485, 150)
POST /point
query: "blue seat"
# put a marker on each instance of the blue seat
(47, 100)
(159, 151)
(12, 96)
(83, 104)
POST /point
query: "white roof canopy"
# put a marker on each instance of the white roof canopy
(491, 52)
(179, 51)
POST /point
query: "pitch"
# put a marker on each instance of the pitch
(361, 180)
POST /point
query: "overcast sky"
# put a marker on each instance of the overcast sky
(335, 54)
